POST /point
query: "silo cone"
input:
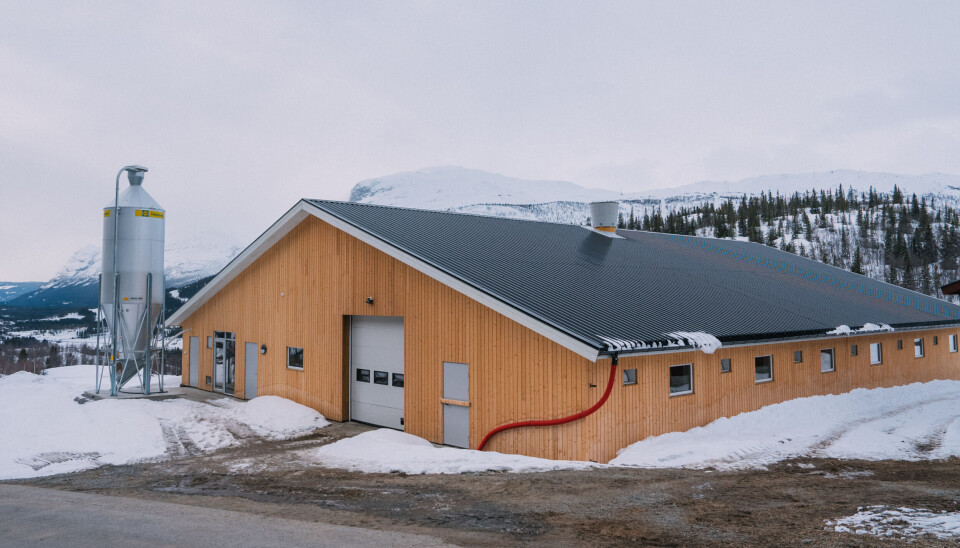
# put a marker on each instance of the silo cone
(139, 252)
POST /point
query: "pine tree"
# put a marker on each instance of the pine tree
(857, 266)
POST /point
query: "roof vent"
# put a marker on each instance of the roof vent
(603, 215)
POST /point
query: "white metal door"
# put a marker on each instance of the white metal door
(250, 353)
(456, 404)
(194, 362)
(376, 370)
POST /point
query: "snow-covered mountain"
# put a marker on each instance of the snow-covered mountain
(450, 188)
(186, 261)
(471, 191)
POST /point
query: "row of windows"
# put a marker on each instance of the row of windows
(681, 376)
(380, 377)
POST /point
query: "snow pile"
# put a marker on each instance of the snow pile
(45, 431)
(698, 339)
(913, 422)
(867, 328)
(275, 418)
(900, 523)
(384, 450)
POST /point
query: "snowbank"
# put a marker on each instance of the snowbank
(275, 418)
(914, 422)
(900, 523)
(45, 431)
(384, 450)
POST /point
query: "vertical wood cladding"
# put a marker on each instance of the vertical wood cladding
(300, 291)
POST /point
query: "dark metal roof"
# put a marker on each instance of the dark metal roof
(644, 285)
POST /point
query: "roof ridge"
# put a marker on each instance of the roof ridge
(448, 212)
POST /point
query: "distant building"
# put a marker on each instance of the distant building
(450, 325)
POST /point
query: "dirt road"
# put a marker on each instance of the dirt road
(785, 506)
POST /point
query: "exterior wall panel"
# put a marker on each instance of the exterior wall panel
(299, 292)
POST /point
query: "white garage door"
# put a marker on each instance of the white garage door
(376, 370)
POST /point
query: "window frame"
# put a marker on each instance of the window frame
(854, 350)
(295, 349)
(879, 353)
(670, 376)
(761, 381)
(953, 342)
(729, 366)
(627, 381)
(798, 356)
(833, 360)
(919, 346)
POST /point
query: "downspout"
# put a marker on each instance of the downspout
(564, 420)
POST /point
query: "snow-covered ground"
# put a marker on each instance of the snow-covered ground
(899, 523)
(384, 450)
(45, 431)
(914, 422)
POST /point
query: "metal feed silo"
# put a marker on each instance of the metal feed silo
(131, 283)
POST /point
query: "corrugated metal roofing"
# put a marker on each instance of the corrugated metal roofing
(645, 285)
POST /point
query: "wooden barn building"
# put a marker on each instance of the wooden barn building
(450, 325)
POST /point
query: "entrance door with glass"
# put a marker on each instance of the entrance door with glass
(224, 361)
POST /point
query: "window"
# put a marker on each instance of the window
(854, 350)
(381, 377)
(363, 375)
(826, 361)
(953, 343)
(294, 358)
(629, 376)
(398, 380)
(681, 379)
(763, 368)
(899, 344)
(797, 356)
(876, 354)
(917, 348)
(935, 341)
(725, 365)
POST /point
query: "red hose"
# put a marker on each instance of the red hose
(552, 422)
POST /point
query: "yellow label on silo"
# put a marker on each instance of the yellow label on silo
(148, 213)
(106, 212)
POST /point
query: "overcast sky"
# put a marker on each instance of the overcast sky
(239, 109)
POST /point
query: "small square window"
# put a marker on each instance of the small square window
(398, 380)
(876, 353)
(381, 377)
(681, 379)
(854, 350)
(935, 341)
(725, 365)
(953, 343)
(797, 356)
(917, 348)
(294, 358)
(826, 361)
(763, 368)
(363, 375)
(899, 344)
(629, 376)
